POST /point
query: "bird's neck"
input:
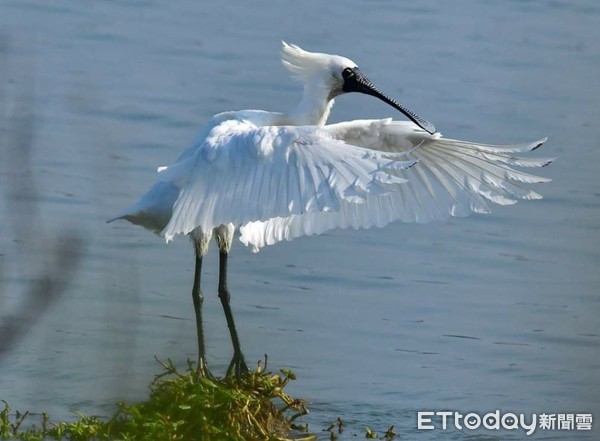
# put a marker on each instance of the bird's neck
(315, 106)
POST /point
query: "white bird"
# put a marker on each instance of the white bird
(276, 176)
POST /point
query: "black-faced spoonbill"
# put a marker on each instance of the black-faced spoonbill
(276, 176)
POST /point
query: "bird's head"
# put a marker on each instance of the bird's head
(338, 75)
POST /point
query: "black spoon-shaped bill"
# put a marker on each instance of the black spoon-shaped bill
(355, 81)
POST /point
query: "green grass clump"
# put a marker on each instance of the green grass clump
(183, 406)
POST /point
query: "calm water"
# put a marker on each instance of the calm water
(485, 313)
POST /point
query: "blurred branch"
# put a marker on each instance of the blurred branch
(21, 199)
(43, 293)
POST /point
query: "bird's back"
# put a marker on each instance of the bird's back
(154, 209)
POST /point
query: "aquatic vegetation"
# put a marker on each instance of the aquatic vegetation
(189, 407)
(336, 428)
(183, 406)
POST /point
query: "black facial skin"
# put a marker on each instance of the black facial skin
(355, 81)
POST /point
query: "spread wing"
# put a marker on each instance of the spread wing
(242, 173)
(451, 178)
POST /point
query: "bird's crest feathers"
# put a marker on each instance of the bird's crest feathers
(304, 64)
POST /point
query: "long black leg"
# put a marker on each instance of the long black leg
(198, 298)
(238, 364)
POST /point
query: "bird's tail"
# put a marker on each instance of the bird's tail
(154, 209)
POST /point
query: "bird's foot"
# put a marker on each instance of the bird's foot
(202, 370)
(238, 366)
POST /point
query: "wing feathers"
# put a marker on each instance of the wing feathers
(281, 182)
(451, 178)
(247, 173)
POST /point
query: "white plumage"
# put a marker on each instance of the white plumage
(279, 176)
(283, 182)
(243, 173)
(451, 178)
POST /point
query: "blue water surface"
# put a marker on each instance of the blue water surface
(490, 312)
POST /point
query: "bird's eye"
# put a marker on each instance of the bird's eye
(347, 73)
